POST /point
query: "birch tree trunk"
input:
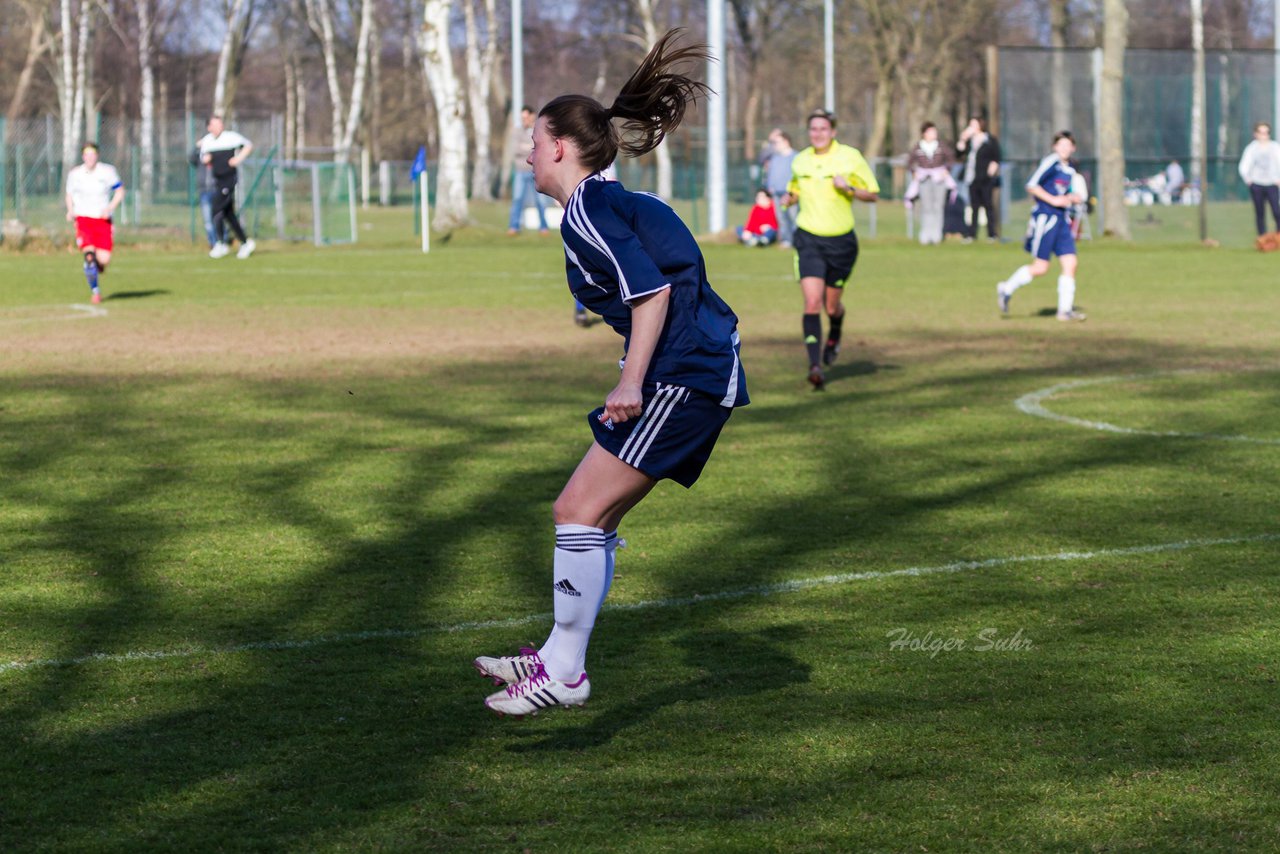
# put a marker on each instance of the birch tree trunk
(320, 17)
(358, 87)
(81, 105)
(67, 87)
(1115, 216)
(479, 85)
(147, 100)
(235, 18)
(437, 68)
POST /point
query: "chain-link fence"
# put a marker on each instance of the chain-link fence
(1157, 121)
(33, 177)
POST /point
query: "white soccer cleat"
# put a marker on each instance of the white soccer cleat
(537, 692)
(509, 669)
(246, 250)
(1002, 298)
(1072, 316)
(219, 250)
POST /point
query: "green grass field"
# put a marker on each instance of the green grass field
(258, 517)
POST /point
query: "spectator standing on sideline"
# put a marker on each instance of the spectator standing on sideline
(223, 151)
(522, 175)
(1260, 169)
(929, 165)
(777, 175)
(207, 189)
(980, 152)
(94, 191)
(825, 179)
(1174, 179)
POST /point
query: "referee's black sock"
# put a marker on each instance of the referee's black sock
(837, 325)
(813, 336)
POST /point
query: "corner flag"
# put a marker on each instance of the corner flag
(419, 164)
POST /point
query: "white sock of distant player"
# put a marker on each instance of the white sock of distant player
(1021, 276)
(1066, 294)
(583, 571)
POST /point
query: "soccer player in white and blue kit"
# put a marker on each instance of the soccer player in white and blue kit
(1049, 232)
(630, 259)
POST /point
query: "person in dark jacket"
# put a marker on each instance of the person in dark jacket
(980, 153)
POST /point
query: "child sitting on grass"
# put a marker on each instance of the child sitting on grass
(762, 223)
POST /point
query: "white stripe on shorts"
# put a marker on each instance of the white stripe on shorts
(1044, 222)
(655, 415)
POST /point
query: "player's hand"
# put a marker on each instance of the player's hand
(788, 199)
(842, 184)
(70, 216)
(623, 403)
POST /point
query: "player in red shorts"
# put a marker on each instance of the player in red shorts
(94, 191)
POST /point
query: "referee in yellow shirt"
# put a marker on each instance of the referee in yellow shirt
(825, 179)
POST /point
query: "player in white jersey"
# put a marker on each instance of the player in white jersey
(1056, 191)
(94, 191)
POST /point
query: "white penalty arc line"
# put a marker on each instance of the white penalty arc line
(1032, 404)
(79, 311)
(762, 590)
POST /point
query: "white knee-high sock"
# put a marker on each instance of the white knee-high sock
(1021, 276)
(1066, 294)
(583, 570)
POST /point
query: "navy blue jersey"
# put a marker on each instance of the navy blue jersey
(620, 246)
(1054, 177)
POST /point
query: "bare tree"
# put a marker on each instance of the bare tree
(756, 21)
(238, 15)
(437, 68)
(38, 43)
(480, 65)
(321, 18)
(1115, 34)
(73, 58)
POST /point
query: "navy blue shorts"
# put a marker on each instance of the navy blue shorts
(672, 439)
(1049, 235)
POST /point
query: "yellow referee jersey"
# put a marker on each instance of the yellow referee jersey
(824, 210)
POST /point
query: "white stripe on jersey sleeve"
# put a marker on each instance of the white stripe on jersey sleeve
(1041, 169)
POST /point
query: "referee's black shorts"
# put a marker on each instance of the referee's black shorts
(828, 258)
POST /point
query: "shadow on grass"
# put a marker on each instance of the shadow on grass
(448, 520)
(154, 292)
(733, 666)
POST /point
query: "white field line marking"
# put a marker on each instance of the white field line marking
(646, 605)
(79, 311)
(1031, 404)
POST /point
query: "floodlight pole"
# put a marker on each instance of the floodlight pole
(717, 147)
(829, 51)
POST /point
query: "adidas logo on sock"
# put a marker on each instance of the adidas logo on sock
(563, 586)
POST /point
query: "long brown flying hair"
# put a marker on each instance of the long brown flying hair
(651, 105)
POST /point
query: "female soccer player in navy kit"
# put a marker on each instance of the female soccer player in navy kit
(1053, 186)
(630, 259)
